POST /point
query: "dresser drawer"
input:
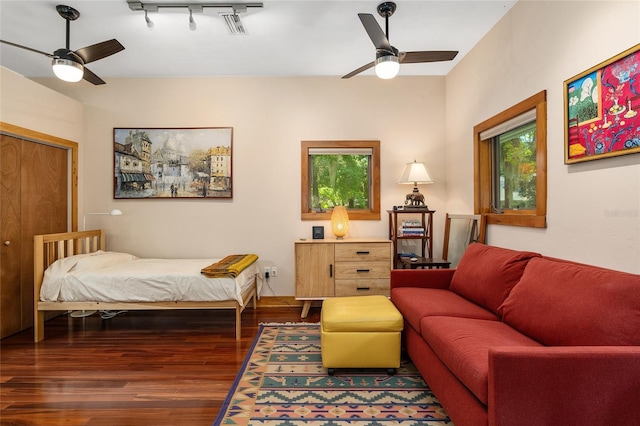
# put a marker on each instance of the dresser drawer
(363, 252)
(362, 287)
(363, 270)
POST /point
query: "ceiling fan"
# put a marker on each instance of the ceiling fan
(68, 65)
(388, 58)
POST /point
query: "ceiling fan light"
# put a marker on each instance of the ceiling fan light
(387, 66)
(67, 70)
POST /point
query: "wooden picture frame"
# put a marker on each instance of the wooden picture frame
(601, 107)
(172, 163)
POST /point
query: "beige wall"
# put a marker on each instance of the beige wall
(593, 207)
(270, 117)
(30, 105)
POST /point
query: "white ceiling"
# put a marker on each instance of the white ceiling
(286, 38)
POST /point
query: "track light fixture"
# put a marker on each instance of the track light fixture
(192, 23)
(148, 21)
(231, 19)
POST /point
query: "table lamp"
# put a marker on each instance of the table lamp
(415, 173)
(339, 222)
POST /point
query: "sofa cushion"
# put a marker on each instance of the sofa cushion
(564, 303)
(463, 344)
(416, 303)
(486, 274)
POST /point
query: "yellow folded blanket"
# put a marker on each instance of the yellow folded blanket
(230, 266)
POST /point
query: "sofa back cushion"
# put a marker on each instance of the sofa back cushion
(565, 303)
(486, 274)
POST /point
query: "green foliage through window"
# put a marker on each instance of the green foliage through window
(338, 179)
(515, 168)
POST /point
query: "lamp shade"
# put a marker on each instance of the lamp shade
(339, 222)
(415, 173)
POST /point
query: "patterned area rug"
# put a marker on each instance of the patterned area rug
(282, 382)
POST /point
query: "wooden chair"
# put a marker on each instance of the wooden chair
(460, 230)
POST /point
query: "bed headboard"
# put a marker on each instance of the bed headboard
(50, 247)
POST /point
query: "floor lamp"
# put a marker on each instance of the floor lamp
(114, 212)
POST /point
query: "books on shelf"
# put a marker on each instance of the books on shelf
(411, 232)
(409, 255)
(411, 223)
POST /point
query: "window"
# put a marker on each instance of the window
(340, 173)
(514, 169)
(511, 165)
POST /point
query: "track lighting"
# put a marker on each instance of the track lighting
(192, 23)
(148, 20)
(232, 19)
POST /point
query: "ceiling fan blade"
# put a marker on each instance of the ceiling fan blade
(427, 56)
(100, 50)
(359, 70)
(92, 78)
(376, 34)
(49, 55)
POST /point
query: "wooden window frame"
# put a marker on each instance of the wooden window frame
(306, 213)
(535, 218)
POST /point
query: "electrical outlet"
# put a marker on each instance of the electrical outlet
(267, 272)
(274, 271)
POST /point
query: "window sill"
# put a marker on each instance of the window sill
(517, 219)
(353, 215)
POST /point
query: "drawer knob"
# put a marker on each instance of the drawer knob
(362, 288)
(362, 252)
(363, 270)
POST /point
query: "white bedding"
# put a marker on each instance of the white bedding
(121, 277)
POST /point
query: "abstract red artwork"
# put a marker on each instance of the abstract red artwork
(601, 109)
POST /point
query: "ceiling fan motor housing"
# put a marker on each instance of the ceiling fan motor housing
(380, 53)
(386, 9)
(67, 12)
(68, 55)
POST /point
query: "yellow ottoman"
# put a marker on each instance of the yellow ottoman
(360, 332)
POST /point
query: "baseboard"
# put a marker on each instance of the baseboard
(282, 302)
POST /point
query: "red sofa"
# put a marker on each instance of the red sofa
(517, 338)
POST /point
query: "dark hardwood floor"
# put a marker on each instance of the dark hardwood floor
(139, 368)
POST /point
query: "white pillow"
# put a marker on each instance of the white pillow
(56, 273)
(63, 266)
(102, 260)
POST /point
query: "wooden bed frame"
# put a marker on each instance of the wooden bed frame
(51, 247)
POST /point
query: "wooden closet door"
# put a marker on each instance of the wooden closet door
(35, 201)
(10, 251)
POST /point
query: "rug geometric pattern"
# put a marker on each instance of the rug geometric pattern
(282, 382)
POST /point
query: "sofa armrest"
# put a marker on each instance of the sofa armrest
(425, 278)
(571, 385)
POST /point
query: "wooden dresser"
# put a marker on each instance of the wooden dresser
(332, 268)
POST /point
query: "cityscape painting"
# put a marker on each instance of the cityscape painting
(172, 163)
